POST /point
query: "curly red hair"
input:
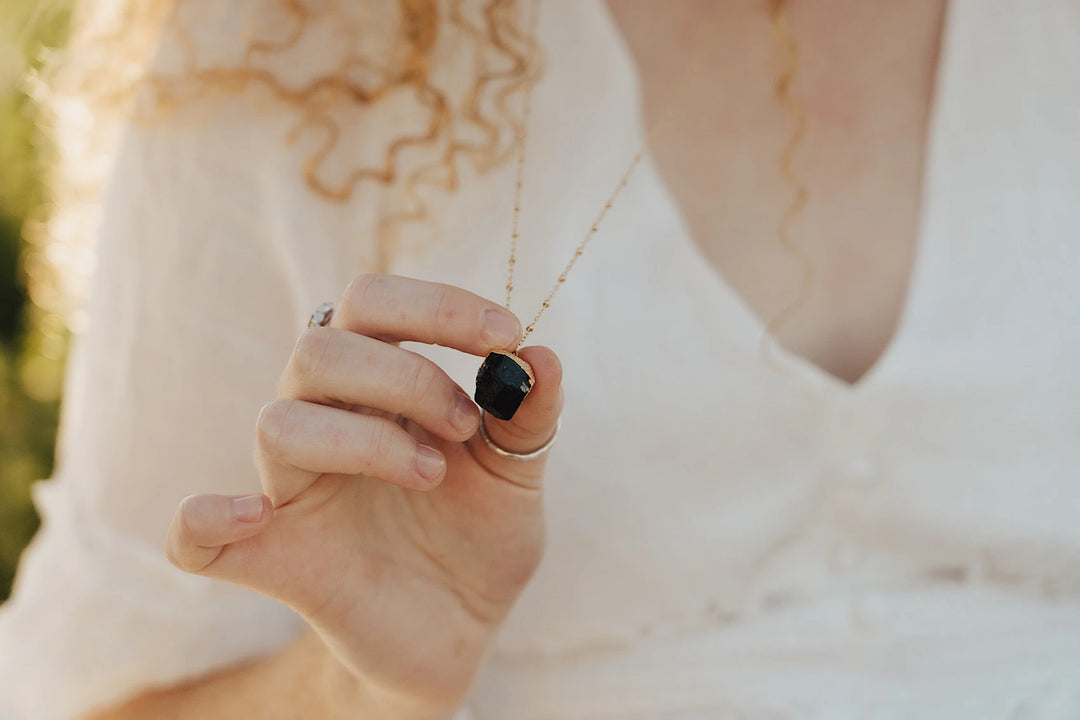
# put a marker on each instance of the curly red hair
(373, 51)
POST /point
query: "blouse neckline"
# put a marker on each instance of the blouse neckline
(800, 366)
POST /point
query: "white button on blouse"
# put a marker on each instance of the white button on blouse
(861, 469)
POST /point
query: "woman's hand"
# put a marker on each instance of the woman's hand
(403, 545)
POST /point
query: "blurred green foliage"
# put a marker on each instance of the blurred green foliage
(32, 341)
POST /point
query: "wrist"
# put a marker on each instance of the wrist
(347, 695)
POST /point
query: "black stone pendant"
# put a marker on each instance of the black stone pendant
(502, 383)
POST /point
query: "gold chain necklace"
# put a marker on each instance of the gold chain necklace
(504, 379)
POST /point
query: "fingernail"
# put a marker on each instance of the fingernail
(465, 415)
(248, 508)
(429, 462)
(500, 328)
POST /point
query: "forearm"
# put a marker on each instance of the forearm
(302, 680)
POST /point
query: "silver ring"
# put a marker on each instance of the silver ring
(518, 456)
(322, 315)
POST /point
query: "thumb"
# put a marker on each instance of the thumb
(205, 524)
(531, 426)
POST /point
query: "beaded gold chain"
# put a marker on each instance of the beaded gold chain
(514, 234)
(784, 36)
(504, 379)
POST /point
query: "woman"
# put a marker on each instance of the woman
(874, 518)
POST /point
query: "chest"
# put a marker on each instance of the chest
(794, 149)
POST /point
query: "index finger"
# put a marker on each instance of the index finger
(396, 308)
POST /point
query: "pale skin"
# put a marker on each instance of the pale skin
(405, 579)
(866, 79)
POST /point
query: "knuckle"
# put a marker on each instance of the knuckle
(419, 378)
(380, 445)
(382, 440)
(519, 434)
(270, 425)
(446, 309)
(312, 350)
(353, 297)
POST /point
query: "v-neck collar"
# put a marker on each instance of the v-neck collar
(794, 362)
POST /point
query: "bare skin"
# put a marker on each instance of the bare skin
(404, 580)
(403, 569)
(865, 78)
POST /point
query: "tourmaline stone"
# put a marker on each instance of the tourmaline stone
(502, 382)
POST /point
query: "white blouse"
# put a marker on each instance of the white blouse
(730, 535)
